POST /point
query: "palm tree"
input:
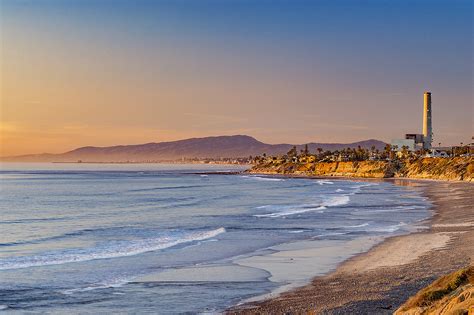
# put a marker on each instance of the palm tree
(387, 150)
(306, 150)
(405, 151)
(320, 151)
(292, 152)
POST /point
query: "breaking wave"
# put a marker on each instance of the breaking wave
(324, 182)
(112, 249)
(290, 210)
(270, 179)
(337, 201)
(357, 226)
(112, 283)
(389, 229)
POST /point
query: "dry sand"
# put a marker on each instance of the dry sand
(379, 281)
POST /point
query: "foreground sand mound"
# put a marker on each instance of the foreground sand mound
(451, 294)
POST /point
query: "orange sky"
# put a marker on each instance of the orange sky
(76, 76)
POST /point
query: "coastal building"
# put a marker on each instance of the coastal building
(416, 137)
(415, 141)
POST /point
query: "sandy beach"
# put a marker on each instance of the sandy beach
(380, 280)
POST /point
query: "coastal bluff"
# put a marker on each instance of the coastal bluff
(453, 169)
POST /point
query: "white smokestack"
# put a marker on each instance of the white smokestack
(427, 128)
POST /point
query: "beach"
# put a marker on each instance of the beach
(380, 280)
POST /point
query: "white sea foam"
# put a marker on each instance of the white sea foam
(357, 188)
(324, 182)
(389, 229)
(328, 235)
(112, 283)
(356, 226)
(290, 211)
(366, 185)
(117, 249)
(286, 211)
(271, 179)
(337, 201)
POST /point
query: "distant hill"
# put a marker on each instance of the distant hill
(208, 147)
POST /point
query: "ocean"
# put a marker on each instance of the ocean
(173, 239)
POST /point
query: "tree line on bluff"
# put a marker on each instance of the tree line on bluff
(389, 153)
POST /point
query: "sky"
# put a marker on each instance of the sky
(84, 72)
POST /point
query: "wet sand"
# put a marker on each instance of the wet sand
(379, 281)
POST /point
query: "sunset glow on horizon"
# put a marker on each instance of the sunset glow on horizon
(77, 73)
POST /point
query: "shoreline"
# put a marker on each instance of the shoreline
(304, 256)
(355, 178)
(405, 263)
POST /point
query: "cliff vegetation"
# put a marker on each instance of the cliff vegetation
(456, 168)
(451, 294)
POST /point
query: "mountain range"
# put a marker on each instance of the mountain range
(237, 146)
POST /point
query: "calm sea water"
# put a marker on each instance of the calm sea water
(77, 238)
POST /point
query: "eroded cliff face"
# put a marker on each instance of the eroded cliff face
(439, 168)
(372, 169)
(426, 168)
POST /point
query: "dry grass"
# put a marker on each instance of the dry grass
(440, 288)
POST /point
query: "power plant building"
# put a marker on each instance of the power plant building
(424, 139)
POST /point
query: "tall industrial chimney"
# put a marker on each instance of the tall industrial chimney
(427, 128)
